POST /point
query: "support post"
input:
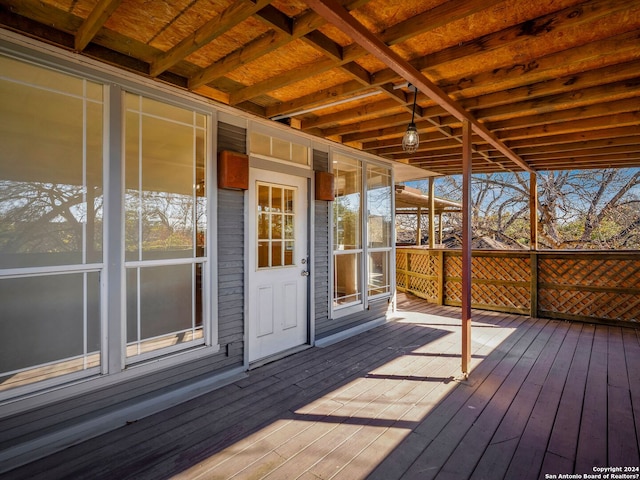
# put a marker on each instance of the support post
(440, 228)
(432, 207)
(533, 210)
(466, 247)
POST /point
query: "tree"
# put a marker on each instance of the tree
(576, 209)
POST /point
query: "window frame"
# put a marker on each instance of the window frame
(84, 265)
(338, 311)
(113, 367)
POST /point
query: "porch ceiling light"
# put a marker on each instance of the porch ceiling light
(411, 139)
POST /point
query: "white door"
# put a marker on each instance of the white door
(278, 263)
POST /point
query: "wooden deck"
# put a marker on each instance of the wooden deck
(545, 397)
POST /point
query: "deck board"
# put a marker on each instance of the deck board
(543, 397)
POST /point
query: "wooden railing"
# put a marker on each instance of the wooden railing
(587, 286)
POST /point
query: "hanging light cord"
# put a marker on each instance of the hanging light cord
(413, 112)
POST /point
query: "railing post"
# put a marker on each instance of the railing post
(407, 269)
(440, 277)
(534, 284)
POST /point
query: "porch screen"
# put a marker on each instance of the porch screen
(51, 215)
(165, 226)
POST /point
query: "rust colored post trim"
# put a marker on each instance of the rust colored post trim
(466, 247)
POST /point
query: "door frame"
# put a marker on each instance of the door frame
(288, 169)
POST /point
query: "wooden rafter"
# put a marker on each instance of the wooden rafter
(335, 14)
(232, 16)
(99, 14)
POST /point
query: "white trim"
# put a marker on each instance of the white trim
(275, 166)
(50, 270)
(231, 118)
(210, 273)
(165, 262)
(153, 354)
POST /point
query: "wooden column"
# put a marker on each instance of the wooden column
(432, 207)
(440, 228)
(533, 217)
(533, 209)
(466, 247)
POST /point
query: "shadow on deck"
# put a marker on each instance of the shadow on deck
(544, 397)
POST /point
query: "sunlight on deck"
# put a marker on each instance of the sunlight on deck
(354, 427)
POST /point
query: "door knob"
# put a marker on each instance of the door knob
(305, 273)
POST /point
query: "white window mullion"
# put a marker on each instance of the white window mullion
(138, 313)
(84, 172)
(85, 322)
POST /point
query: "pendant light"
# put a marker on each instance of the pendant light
(411, 139)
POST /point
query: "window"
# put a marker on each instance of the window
(51, 215)
(277, 148)
(276, 234)
(379, 229)
(53, 287)
(165, 226)
(361, 252)
(347, 231)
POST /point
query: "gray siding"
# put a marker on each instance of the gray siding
(231, 222)
(322, 254)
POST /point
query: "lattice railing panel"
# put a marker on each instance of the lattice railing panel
(424, 264)
(452, 266)
(401, 280)
(590, 286)
(508, 296)
(580, 303)
(512, 269)
(599, 272)
(429, 288)
(573, 285)
(452, 292)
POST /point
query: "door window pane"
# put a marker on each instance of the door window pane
(275, 223)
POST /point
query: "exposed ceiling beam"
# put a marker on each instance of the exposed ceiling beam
(338, 16)
(232, 16)
(100, 13)
(304, 24)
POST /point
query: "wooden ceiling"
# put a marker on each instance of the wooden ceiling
(546, 84)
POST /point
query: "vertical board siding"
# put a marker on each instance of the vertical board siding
(231, 225)
(322, 252)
